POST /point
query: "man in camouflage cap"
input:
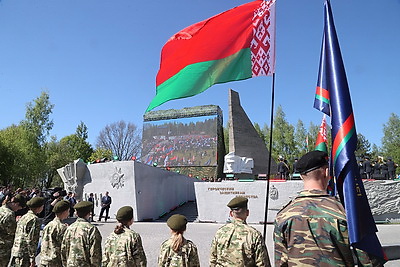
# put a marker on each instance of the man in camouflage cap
(81, 245)
(236, 243)
(8, 224)
(312, 229)
(23, 252)
(53, 232)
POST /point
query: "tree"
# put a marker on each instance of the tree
(100, 153)
(391, 138)
(122, 139)
(300, 136)
(363, 148)
(25, 165)
(283, 136)
(37, 117)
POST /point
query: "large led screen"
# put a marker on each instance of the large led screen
(180, 142)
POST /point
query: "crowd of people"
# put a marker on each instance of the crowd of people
(311, 230)
(377, 169)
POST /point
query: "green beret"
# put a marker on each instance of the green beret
(83, 206)
(18, 198)
(61, 206)
(177, 222)
(237, 203)
(125, 213)
(35, 202)
(312, 161)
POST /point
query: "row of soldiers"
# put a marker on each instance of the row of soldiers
(310, 231)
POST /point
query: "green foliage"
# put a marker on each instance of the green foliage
(363, 148)
(283, 136)
(391, 138)
(37, 117)
(24, 157)
(100, 153)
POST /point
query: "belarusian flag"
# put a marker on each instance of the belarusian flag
(321, 143)
(234, 45)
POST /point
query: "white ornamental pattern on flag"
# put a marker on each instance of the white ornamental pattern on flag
(263, 43)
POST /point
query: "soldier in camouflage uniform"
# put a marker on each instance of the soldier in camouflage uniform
(178, 251)
(23, 252)
(124, 246)
(81, 245)
(312, 229)
(236, 243)
(53, 232)
(8, 224)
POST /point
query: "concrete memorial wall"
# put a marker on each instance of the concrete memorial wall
(212, 199)
(149, 190)
(383, 196)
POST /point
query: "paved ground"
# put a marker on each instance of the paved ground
(154, 233)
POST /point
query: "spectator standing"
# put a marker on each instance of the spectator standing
(105, 206)
(367, 168)
(391, 168)
(91, 199)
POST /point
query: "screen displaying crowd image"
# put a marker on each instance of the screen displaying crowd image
(180, 142)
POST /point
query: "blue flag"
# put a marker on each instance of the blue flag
(333, 98)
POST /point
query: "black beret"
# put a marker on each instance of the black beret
(84, 206)
(125, 213)
(177, 222)
(18, 198)
(312, 161)
(237, 203)
(35, 202)
(61, 206)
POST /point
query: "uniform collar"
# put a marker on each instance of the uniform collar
(312, 193)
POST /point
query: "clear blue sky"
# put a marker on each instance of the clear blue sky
(98, 60)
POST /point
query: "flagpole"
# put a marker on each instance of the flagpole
(270, 155)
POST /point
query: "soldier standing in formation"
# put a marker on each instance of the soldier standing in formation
(53, 232)
(81, 245)
(312, 229)
(26, 240)
(178, 251)
(8, 224)
(124, 246)
(236, 243)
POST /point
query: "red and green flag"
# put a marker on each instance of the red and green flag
(321, 143)
(234, 45)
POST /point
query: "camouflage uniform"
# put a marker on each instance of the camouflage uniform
(186, 257)
(312, 231)
(26, 240)
(81, 245)
(124, 249)
(238, 244)
(7, 233)
(50, 254)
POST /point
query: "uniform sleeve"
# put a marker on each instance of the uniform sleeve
(95, 248)
(280, 247)
(33, 238)
(194, 256)
(139, 255)
(213, 253)
(163, 256)
(64, 249)
(106, 253)
(261, 252)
